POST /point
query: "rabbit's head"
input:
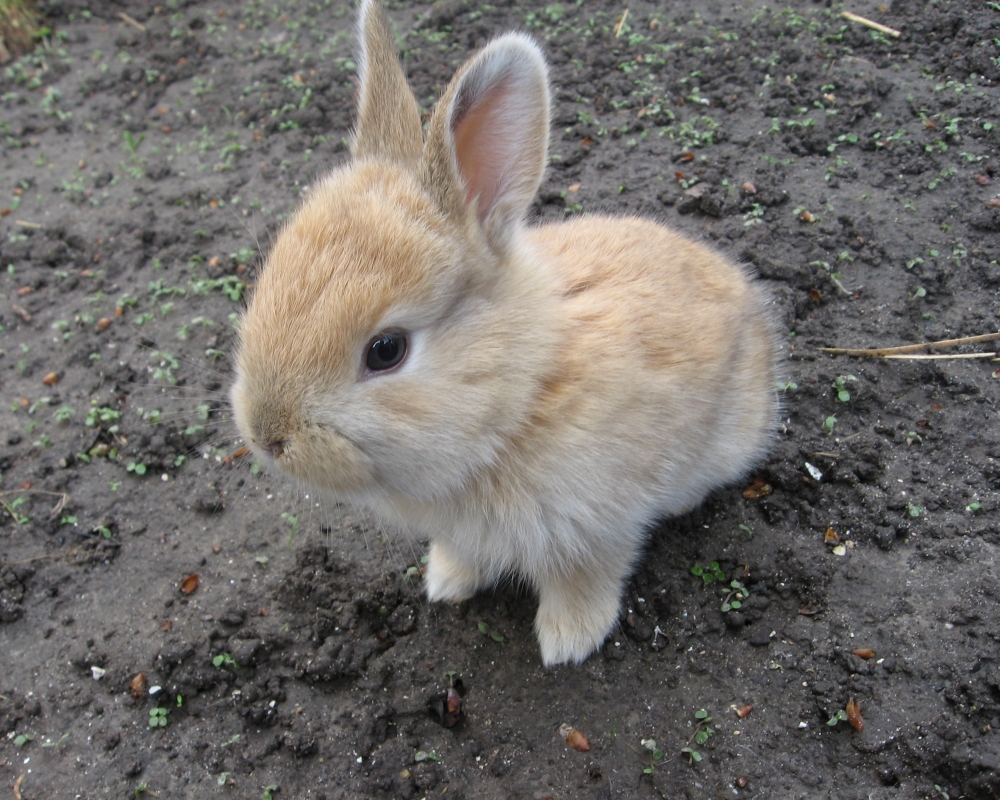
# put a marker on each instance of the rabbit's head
(396, 329)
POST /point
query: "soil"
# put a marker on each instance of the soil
(148, 156)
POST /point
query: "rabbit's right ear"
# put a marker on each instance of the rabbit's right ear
(388, 117)
(487, 143)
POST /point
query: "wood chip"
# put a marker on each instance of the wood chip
(854, 715)
(574, 738)
(137, 686)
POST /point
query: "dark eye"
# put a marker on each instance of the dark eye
(386, 351)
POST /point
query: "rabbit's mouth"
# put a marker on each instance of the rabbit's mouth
(324, 458)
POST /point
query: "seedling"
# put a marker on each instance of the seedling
(655, 755)
(426, 755)
(840, 387)
(840, 716)
(486, 630)
(703, 731)
(158, 717)
(693, 755)
(269, 791)
(293, 520)
(102, 415)
(713, 572)
(137, 468)
(57, 742)
(21, 739)
(829, 424)
(734, 600)
(11, 508)
(914, 510)
(224, 660)
(786, 386)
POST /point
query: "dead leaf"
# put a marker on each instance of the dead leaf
(864, 652)
(830, 537)
(166, 625)
(687, 155)
(806, 216)
(25, 290)
(574, 738)
(744, 711)
(815, 295)
(757, 489)
(103, 323)
(982, 180)
(137, 686)
(854, 715)
(20, 312)
(574, 188)
(17, 787)
(190, 583)
(51, 379)
(749, 188)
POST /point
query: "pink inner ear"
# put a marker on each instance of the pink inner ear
(484, 147)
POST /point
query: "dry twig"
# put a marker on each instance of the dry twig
(870, 23)
(896, 352)
(621, 24)
(126, 18)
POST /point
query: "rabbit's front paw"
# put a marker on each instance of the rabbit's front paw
(447, 577)
(574, 618)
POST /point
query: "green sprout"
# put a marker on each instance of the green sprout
(158, 717)
(713, 572)
(840, 387)
(655, 755)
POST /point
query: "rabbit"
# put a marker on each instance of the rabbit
(530, 399)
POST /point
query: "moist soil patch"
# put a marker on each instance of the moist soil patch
(150, 153)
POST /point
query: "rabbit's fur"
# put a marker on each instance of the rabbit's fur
(563, 385)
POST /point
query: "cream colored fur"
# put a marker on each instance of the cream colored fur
(565, 385)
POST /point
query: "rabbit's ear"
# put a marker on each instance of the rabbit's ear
(388, 117)
(488, 141)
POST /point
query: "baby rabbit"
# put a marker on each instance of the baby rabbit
(530, 399)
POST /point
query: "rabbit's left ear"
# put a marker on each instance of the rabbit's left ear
(388, 117)
(488, 141)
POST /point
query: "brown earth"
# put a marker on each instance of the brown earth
(148, 153)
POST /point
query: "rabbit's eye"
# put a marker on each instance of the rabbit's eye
(386, 351)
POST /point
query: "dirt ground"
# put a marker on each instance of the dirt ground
(148, 156)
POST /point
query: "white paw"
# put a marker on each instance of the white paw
(447, 579)
(572, 624)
